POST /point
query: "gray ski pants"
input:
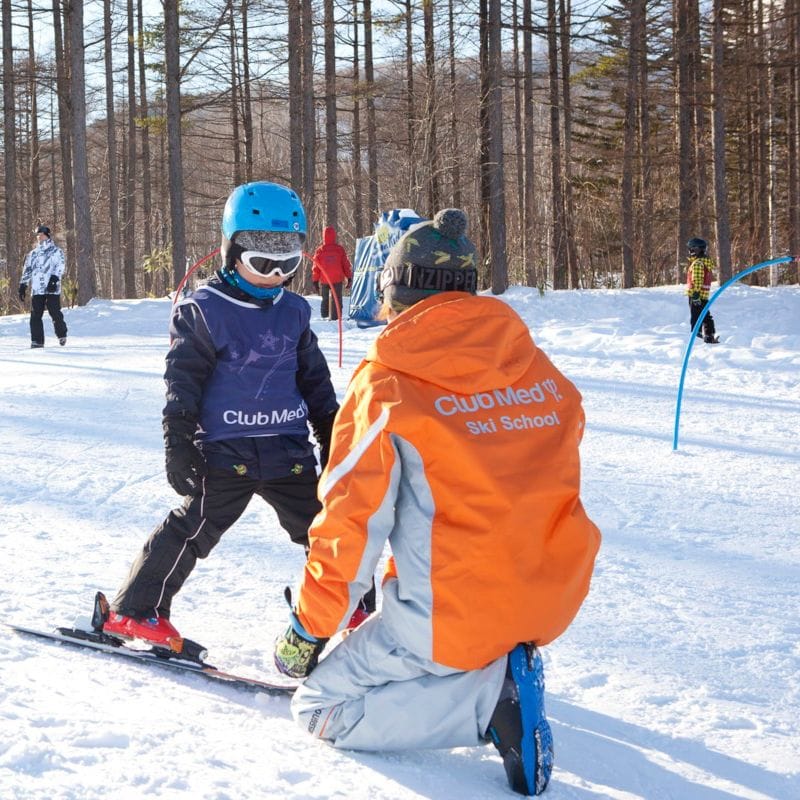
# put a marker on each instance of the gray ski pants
(371, 694)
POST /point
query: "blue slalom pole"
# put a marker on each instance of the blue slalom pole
(699, 323)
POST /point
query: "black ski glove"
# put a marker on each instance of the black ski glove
(323, 428)
(316, 287)
(695, 299)
(185, 464)
(21, 292)
(52, 284)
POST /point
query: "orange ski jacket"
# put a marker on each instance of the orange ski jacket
(330, 260)
(457, 442)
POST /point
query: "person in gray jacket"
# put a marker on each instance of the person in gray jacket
(44, 266)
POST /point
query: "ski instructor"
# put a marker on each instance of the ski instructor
(457, 443)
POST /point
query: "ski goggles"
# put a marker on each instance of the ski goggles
(278, 265)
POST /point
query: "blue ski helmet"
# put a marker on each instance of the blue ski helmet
(262, 206)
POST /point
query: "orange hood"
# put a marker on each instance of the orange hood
(494, 344)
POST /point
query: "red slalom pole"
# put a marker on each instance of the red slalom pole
(335, 300)
(190, 271)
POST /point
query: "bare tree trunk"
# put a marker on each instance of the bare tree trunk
(722, 219)
(358, 191)
(646, 223)
(749, 156)
(772, 147)
(235, 136)
(162, 189)
(117, 285)
(558, 250)
(564, 15)
(53, 170)
(529, 215)
(699, 102)
(309, 136)
(309, 118)
(146, 177)
(125, 168)
(175, 158)
(761, 162)
(497, 207)
(36, 189)
(413, 183)
(431, 146)
(295, 68)
(61, 44)
(87, 280)
(13, 256)
(372, 134)
(483, 138)
(793, 143)
(129, 239)
(685, 112)
(331, 145)
(247, 105)
(455, 171)
(519, 156)
(632, 100)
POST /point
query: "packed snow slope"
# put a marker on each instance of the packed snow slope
(680, 678)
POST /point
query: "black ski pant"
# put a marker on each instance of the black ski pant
(192, 530)
(52, 302)
(328, 308)
(695, 311)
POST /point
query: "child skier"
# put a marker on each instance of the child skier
(245, 377)
(698, 286)
(331, 268)
(457, 443)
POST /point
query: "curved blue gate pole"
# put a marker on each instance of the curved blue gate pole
(699, 323)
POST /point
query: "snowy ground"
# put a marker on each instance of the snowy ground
(679, 679)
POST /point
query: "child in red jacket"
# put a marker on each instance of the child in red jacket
(331, 268)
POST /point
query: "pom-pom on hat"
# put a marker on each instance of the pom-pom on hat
(432, 257)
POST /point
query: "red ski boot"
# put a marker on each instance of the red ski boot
(158, 631)
(359, 615)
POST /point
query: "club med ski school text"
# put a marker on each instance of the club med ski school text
(448, 405)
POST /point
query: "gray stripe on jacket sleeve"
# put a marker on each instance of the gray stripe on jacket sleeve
(408, 601)
(340, 470)
(379, 526)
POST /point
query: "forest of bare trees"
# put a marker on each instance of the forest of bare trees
(587, 141)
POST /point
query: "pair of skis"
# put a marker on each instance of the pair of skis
(191, 659)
